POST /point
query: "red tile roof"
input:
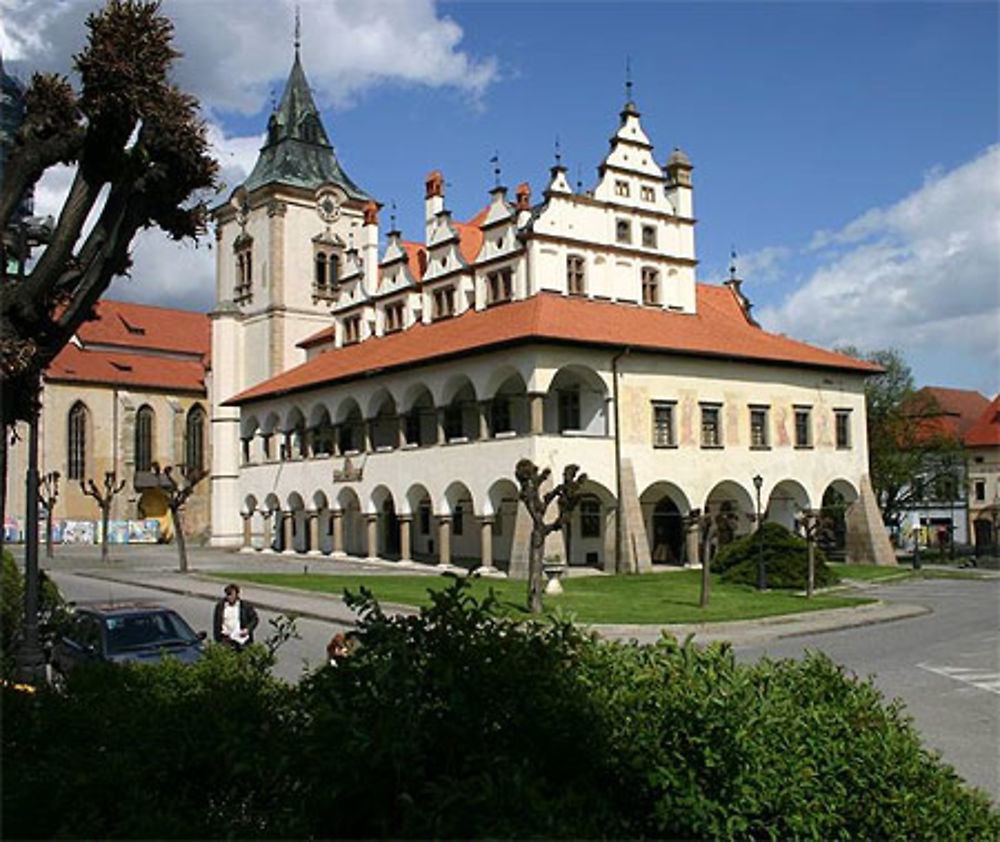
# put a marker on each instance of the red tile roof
(946, 412)
(719, 329)
(138, 345)
(986, 431)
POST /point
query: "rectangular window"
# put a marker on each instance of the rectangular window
(647, 194)
(663, 424)
(393, 317)
(352, 329)
(650, 285)
(499, 286)
(621, 189)
(457, 520)
(590, 517)
(803, 426)
(244, 270)
(759, 438)
(711, 431)
(649, 236)
(444, 302)
(574, 275)
(623, 231)
(569, 409)
(842, 428)
(979, 490)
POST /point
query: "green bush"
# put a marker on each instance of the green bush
(785, 556)
(459, 723)
(52, 611)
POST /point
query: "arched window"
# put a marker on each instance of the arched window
(144, 438)
(334, 270)
(77, 441)
(321, 270)
(194, 440)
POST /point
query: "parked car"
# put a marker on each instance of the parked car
(137, 632)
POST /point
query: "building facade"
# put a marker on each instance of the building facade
(374, 401)
(130, 389)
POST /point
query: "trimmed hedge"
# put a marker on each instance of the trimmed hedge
(785, 556)
(460, 723)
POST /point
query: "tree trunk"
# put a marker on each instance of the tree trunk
(105, 517)
(706, 582)
(179, 537)
(48, 532)
(3, 487)
(535, 571)
(811, 574)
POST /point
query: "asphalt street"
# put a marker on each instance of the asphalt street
(944, 665)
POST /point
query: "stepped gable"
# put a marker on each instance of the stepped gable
(719, 329)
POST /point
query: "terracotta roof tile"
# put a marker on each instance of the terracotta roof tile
(719, 329)
(939, 411)
(126, 369)
(142, 326)
(986, 431)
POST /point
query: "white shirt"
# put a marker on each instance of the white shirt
(231, 621)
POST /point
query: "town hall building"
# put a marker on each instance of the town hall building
(373, 401)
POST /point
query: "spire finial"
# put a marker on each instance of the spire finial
(732, 262)
(558, 153)
(392, 217)
(495, 160)
(628, 79)
(298, 30)
(579, 179)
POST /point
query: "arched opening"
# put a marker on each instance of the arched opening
(351, 433)
(324, 523)
(76, 459)
(300, 534)
(787, 500)
(387, 531)
(385, 423)
(837, 499)
(503, 507)
(461, 413)
(321, 431)
(423, 539)
(420, 419)
(664, 507)
(589, 535)
(353, 524)
(272, 526)
(508, 409)
(294, 442)
(730, 513)
(465, 544)
(575, 403)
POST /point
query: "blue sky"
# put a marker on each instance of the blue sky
(848, 151)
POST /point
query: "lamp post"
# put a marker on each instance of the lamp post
(758, 481)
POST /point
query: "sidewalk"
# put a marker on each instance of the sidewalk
(152, 567)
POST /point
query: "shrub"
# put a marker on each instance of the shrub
(459, 723)
(785, 556)
(51, 611)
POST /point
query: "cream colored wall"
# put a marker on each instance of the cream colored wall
(988, 471)
(109, 447)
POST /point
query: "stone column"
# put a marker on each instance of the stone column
(405, 541)
(371, 529)
(691, 535)
(444, 539)
(247, 532)
(337, 520)
(609, 416)
(245, 456)
(400, 430)
(288, 533)
(439, 419)
(286, 446)
(366, 435)
(335, 448)
(486, 541)
(268, 522)
(312, 524)
(484, 419)
(536, 413)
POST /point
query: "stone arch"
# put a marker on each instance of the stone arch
(576, 402)
(272, 422)
(383, 504)
(589, 538)
(384, 420)
(664, 507)
(419, 503)
(786, 500)
(460, 410)
(249, 425)
(454, 384)
(419, 416)
(300, 537)
(294, 427)
(351, 433)
(501, 503)
(838, 496)
(272, 522)
(509, 411)
(320, 426)
(458, 503)
(730, 510)
(353, 522)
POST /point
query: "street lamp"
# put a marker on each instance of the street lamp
(758, 481)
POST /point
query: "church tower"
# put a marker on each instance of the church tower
(280, 246)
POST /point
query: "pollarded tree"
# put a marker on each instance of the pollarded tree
(566, 495)
(129, 132)
(177, 487)
(104, 498)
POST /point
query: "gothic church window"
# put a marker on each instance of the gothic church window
(144, 438)
(194, 440)
(77, 441)
(243, 249)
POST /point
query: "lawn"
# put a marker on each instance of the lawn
(870, 572)
(656, 598)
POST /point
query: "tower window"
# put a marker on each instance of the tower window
(144, 438)
(575, 277)
(623, 231)
(243, 249)
(649, 236)
(77, 441)
(650, 285)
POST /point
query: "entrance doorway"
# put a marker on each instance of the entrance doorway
(668, 533)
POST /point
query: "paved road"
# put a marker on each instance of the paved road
(294, 657)
(944, 665)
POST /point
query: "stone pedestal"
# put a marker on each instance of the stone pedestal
(867, 539)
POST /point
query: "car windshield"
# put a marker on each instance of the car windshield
(147, 630)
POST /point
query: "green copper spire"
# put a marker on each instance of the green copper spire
(297, 151)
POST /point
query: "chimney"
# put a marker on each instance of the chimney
(433, 200)
(523, 202)
(369, 246)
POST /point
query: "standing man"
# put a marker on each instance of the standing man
(234, 619)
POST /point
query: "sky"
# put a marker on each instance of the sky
(848, 152)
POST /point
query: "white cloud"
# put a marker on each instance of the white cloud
(236, 52)
(169, 274)
(919, 275)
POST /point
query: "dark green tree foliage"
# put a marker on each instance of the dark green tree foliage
(785, 554)
(458, 723)
(51, 613)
